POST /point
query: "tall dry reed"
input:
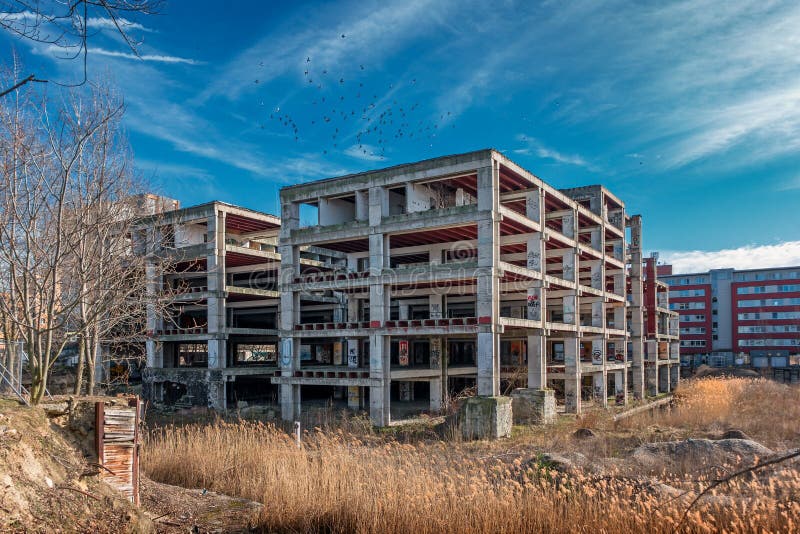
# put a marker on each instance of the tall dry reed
(767, 411)
(340, 482)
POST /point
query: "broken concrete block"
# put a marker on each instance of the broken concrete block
(486, 417)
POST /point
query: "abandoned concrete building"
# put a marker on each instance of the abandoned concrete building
(392, 290)
(216, 341)
(662, 331)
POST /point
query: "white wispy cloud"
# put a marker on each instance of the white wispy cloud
(721, 95)
(745, 257)
(15, 16)
(189, 133)
(791, 184)
(104, 23)
(763, 117)
(372, 32)
(534, 147)
(364, 152)
(178, 177)
(158, 58)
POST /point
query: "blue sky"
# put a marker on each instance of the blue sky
(689, 111)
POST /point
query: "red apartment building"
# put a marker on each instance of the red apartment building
(766, 317)
(731, 317)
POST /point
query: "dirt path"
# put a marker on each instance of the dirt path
(176, 509)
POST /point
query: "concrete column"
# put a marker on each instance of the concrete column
(435, 395)
(536, 253)
(568, 225)
(379, 306)
(354, 398)
(290, 312)
(598, 315)
(537, 361)
(155, 350)
(436, 308)
(651, 369)
(635, 306)
(621, 387)
(290, 393)
(488, 378)
(215, 263)
(597, 239)
(619, 317)
(488, 358)
(598, 275)
(352, 309)
(599, 381)
(663, 379)
(353, 357)
(570, 303)
(674, 376)
(569, 265)
(534, 205)
(619, 284)
(378, 205)
(216, 309)
(402, 311)
(435, 254)
(534, 210)
(379, 396)
(600, 378)
(436, 362)
(536, 303)
(599, 350)
(362, 205)
(572, 370)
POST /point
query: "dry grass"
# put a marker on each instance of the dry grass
(766, 411)
(340, 482)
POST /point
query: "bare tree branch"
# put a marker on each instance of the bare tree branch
(31, 78)
(766, 463)
(66, 25)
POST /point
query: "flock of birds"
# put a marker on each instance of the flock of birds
(351, 116)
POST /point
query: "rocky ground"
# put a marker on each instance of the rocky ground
(175, 509)
(47, 485)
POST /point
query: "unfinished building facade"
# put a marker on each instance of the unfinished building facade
(459, 271)
(662, 333)
(214, 340)
(393, 290)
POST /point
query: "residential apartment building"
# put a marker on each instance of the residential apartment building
(393, 289)
(738, 317)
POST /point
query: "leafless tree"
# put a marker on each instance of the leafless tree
(66, 25)
(107, 278)
(67, 199)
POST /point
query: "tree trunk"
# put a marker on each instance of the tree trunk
(94, 353)
(38, 380)
(81, 364)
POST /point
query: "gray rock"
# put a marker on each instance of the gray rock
(571, 463)
(693, 453)
(584, 433)
(734, 433)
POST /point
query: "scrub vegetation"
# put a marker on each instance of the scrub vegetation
(539, 480)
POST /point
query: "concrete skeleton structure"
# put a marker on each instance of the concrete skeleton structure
(219, 343)
(662, 335)
(414, 282)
